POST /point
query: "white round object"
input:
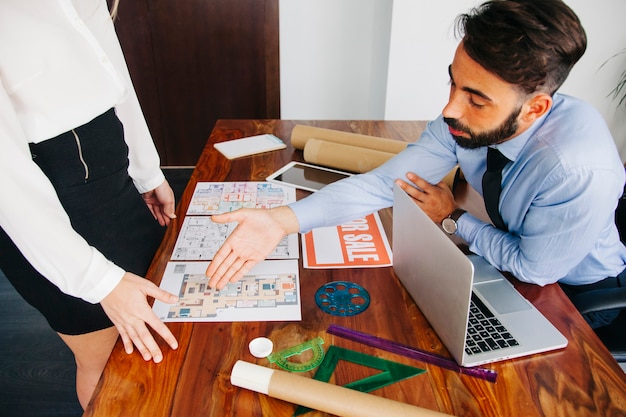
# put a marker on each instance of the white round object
(261, 347)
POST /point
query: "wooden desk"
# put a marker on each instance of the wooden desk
(581, 380)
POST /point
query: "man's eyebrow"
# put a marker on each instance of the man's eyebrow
(469, 89)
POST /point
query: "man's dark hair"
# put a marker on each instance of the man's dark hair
(530, 43)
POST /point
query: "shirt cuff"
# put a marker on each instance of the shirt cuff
(305, 213)
(109, 275)
(151, 184)
(468, 229)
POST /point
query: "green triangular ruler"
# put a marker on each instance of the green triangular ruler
(390, 371)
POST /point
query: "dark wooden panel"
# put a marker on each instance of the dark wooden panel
(272, 60)
(133, 29)
(196, 61)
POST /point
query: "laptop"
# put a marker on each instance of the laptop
(451, 289)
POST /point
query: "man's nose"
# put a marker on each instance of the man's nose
(453, 110)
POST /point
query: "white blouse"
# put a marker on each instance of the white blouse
(61, 65)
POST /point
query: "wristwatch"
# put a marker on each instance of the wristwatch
(449, 223)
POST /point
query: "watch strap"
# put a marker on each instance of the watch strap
(456, 214)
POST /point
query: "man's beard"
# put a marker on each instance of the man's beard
(492, 137)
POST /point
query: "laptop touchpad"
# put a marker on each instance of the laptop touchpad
(502, 297)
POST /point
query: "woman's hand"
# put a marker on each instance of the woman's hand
(127, 307)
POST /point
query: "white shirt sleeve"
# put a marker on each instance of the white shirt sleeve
(61, 67)
(31, 214)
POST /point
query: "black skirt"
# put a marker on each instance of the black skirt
(88, 167)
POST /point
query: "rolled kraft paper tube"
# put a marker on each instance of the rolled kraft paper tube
(352, 158)
(319, 395)
(301, 134)
(344, 157)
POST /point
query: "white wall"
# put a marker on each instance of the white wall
(387, 59)
(422, 46)
(333, 58)
(606, 35)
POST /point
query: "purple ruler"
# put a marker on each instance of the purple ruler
(411, 352)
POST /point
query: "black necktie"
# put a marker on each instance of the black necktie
(492, 180)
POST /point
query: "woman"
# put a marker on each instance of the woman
(84, 202)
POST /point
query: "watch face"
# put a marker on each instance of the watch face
(449, 226)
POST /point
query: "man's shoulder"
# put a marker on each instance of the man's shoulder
(574, 110)
(572, 120)
(574, 136)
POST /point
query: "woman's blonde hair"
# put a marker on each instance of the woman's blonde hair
(114, 7)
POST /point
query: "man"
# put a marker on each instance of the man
(562, 175)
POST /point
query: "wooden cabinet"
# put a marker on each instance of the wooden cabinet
(196, 61)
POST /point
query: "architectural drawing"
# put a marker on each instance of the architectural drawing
(269, 292)
(221, 197)
(199, 237)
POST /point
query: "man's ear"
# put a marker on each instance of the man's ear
(537, 106)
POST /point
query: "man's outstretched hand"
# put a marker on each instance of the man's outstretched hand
(257, 233)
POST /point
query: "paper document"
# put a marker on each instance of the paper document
(269, 292)
(199, 237)
(221, 197)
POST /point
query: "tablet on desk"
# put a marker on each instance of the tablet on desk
(306, 176)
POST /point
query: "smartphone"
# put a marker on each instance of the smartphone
(306, 176)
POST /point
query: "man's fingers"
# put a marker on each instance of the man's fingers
(224, 217)
(245, 268)
(231, 269)
(218, 259)
(422, 185)
(224, 271)
(256, 234)
(216, 271)
(443, 186)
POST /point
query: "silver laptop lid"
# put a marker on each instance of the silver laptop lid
(439, 283)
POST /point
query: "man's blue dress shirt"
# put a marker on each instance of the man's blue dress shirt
(558, 195)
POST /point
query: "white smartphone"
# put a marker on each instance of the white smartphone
(306, 176)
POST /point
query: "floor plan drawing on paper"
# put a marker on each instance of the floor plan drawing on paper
(269, 292)
(199, 237)
(221, 197)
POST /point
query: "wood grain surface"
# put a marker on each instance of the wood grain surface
(580, 380)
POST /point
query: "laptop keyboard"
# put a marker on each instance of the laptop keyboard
(484, 331)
